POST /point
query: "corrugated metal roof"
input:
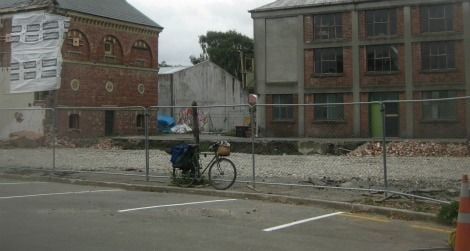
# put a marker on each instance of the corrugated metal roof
(287, 4)
(113, 9)
(172, 69)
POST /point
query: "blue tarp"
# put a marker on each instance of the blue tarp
(165, 123)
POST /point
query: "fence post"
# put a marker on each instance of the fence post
(252, 115)
(384, 145)
(195, 122)
(54, 136)
(147, 155)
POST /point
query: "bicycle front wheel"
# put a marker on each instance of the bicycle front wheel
(222, 174)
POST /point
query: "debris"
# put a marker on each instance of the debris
(413, 149)
(26, 139)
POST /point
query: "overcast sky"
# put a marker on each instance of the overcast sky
(185, 20)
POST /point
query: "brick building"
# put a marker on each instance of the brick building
(335, 51)
(110, 60)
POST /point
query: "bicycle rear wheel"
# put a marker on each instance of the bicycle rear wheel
(222, 174)
(183, 178)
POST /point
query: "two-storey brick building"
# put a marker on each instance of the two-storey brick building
(110, 59)
(331, 51)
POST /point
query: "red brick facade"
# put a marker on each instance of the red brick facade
(91, 77)
(341, 80)
(370, 82)
(328, 129)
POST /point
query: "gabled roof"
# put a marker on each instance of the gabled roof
(114, 9)
(289, 4)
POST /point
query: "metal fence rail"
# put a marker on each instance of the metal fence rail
(58, 121)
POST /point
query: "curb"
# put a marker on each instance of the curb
(345, 206)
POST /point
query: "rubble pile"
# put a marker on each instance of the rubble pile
(26, 139)
(413, 149)
(106, 144)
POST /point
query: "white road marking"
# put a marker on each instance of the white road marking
(52, 194)
(300, 222)
(19, 183)
(175, 205)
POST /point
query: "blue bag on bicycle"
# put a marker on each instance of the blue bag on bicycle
(181, 156)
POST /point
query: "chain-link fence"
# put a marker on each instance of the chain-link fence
(320, 144)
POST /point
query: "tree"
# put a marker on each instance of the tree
(224, 49)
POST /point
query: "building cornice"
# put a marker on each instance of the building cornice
(342, 7)
(111, 23)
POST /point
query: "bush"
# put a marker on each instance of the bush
(449, 213)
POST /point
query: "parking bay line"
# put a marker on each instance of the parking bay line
(301, 222)
(52, 194)
(19, 183)
(174, 205)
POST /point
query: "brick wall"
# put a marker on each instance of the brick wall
(132, 64)
(5, 48)
(456, 76)
(281, 128)
(330, 129)
(313, 80)
(382, 79)
(440, 129)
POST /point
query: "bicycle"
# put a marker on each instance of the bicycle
(222, 172)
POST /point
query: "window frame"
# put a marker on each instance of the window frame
(323, 56)
(328, 113)
(439, 110)
(331, 23)
(391, 58)
(74, 121)
(373, 21)
(426, 18)
(140, 121)
(282, 113)
(428, 54)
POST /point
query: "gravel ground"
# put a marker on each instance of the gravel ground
(414, 172)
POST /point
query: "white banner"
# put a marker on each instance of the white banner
(36, 59)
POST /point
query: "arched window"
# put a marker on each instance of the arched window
(141, 54)
(76, 46)
(74, 121)
(112, 50)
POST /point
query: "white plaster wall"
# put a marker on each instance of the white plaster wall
(17, 120)
(208, 85)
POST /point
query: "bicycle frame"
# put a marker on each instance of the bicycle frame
(197, 160)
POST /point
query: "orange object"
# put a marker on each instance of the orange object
(462, 240)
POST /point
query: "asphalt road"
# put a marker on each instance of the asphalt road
(50, 216)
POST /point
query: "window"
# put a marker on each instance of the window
(108, 48)
(74, 121)
(437, 18)
(140, 121)
(283, 113)
(439, 110)
(41, 96)
(329, 112)
(437, 56)
(328, 26)
(329, 60)
(382, 58)
(381, 22)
